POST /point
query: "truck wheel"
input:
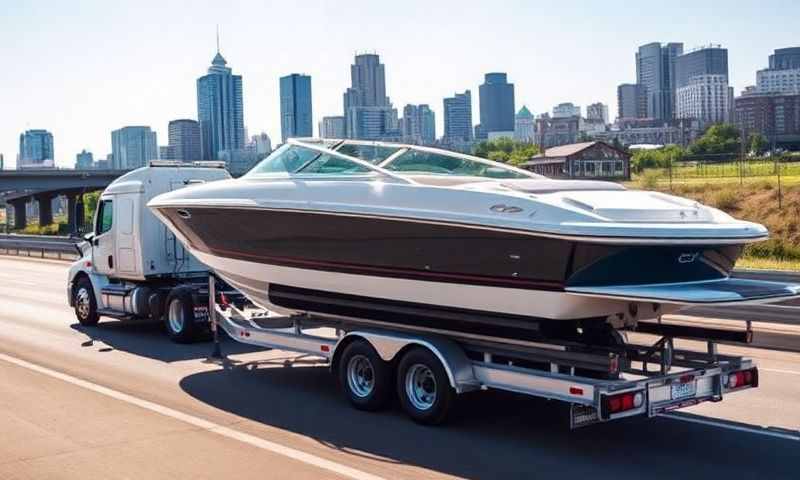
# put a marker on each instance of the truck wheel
(424, 387)
(179, 318)
(364, 377)
(85, 303)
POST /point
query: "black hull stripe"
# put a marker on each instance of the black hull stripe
(390, 272)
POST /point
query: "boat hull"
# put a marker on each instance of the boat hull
(439, 264)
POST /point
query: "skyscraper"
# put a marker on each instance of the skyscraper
(783, 74)
(368, 111)
(524, 126)
(185, 140)
(418, 124)
(631, 101)
(220, 110)
(655, 73)
(296, 117)
(496, 104)
(36, 149)
(597, 112)
(566, 110)
(84, 160)
(332, 127)
(133, 147)
(702, 85)
(458, 118)
(262, 143)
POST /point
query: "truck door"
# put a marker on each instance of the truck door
(103, 242)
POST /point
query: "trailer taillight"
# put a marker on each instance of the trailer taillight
(623, 402)
(743, 378)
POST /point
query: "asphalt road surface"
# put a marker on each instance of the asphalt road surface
(121, 401)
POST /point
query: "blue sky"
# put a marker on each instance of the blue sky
(83, 68)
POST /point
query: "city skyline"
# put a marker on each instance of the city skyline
(80, 106)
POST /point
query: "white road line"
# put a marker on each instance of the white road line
(730, 426)
(778, 370)
(252, 440)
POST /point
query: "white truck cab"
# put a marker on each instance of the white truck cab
(131, 265)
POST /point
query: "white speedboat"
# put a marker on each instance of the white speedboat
(404, 233)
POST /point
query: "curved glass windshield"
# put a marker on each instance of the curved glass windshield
(369, 153)
(283, 161)
(416, 161)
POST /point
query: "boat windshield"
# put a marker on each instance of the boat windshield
(292, 159)
(433, 163)
(371, 153)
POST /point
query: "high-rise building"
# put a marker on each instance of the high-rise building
(458, 118)
(418, 124)
(597, 112)
(133, 147)
(524, 126)
(332, 127)
(655, 73)
(496, 105)
(702, 85)
(631, 101)
(220, 110)
(566, 110)
(783, 74)
(36, 149)
(296, 117)
(184, 140)
(84, 160)
(368, 111)
(774, 115)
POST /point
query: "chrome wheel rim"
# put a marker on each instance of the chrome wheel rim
(360, 376)
(176, 316)
(83, 303)
(421, 386)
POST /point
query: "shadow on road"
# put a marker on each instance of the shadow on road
(491, 435)
(148, 339)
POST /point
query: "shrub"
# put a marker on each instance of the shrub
(649, 180)
(726, 200)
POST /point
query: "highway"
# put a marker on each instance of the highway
(121, 401)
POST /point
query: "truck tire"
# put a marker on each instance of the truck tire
(364, 377)
(424, 387)
(85, 303)
(179, 316)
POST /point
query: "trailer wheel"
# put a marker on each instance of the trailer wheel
(424, 387)
(364, 377)
(179, 318)
(85, 303)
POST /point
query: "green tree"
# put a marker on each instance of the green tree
(506, 150)
(757, 143)
(717, 139)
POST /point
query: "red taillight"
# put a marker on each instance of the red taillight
(325, 348)
(624, 402)
(743, 378)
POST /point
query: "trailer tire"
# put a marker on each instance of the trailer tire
(424, 387)
(179, 318)
(364, 377)
(85, 302)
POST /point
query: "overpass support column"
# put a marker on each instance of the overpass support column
(75, 212)
(19, 214)
(45, 209)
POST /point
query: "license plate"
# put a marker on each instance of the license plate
(683, 390)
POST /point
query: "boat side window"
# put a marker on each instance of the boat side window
(105, 216)
(369, 153)
(436, 163)
(327, 164)
(283, 161)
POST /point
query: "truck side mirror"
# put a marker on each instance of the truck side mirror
(88, 236)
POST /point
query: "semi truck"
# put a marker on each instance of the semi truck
(132, 268)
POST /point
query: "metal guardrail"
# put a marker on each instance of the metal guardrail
(42, 246)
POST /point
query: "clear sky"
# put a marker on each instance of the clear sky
(83, 68)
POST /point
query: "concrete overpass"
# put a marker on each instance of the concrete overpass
(18, 187)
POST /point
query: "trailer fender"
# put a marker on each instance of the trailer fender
(388, 345)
